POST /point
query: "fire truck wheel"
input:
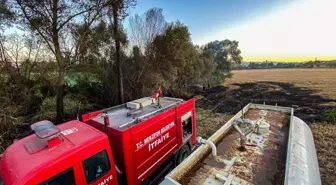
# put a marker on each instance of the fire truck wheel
(183, 154)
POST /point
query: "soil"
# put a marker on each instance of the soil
(268, 168)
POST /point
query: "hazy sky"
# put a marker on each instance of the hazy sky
(266, 29)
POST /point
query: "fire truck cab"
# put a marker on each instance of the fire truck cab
(134, 143)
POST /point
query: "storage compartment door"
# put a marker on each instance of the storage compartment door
(154, 141)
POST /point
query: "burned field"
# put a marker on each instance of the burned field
(311, 92)
(308, 106)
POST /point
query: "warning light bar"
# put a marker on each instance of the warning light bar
(45, 129)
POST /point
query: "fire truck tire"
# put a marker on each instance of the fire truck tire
(183, 154)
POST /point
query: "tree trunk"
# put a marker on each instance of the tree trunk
(117, 43)
(61, 66)
(60, 84)
(60, 96)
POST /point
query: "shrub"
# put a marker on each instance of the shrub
(330, 116)
(72, 106)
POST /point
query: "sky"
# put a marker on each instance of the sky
(273, 30)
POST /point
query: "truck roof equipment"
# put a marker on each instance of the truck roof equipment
(126, 115)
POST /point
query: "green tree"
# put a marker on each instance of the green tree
(173, 58)
(225, 53)
(207, 60)
(51, 20)
(143, 29)
(97, 56)
(119, 8)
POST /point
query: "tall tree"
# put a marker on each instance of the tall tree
(173, 58)
(6, 15)
(119, 12)
(22, 52)
(97, 56)
(51, 19)
(145, 27)
(6, 18)
(115, 12)
(225, 52)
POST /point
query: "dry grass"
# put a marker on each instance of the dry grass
(323, 83)
(324, 135)
(208, 122)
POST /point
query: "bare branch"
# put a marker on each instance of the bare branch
(144, 28)
(79, 13)
(36, 28)
(82, 36)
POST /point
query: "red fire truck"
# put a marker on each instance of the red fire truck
(134, 143)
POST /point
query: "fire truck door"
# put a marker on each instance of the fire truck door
(99, 170)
